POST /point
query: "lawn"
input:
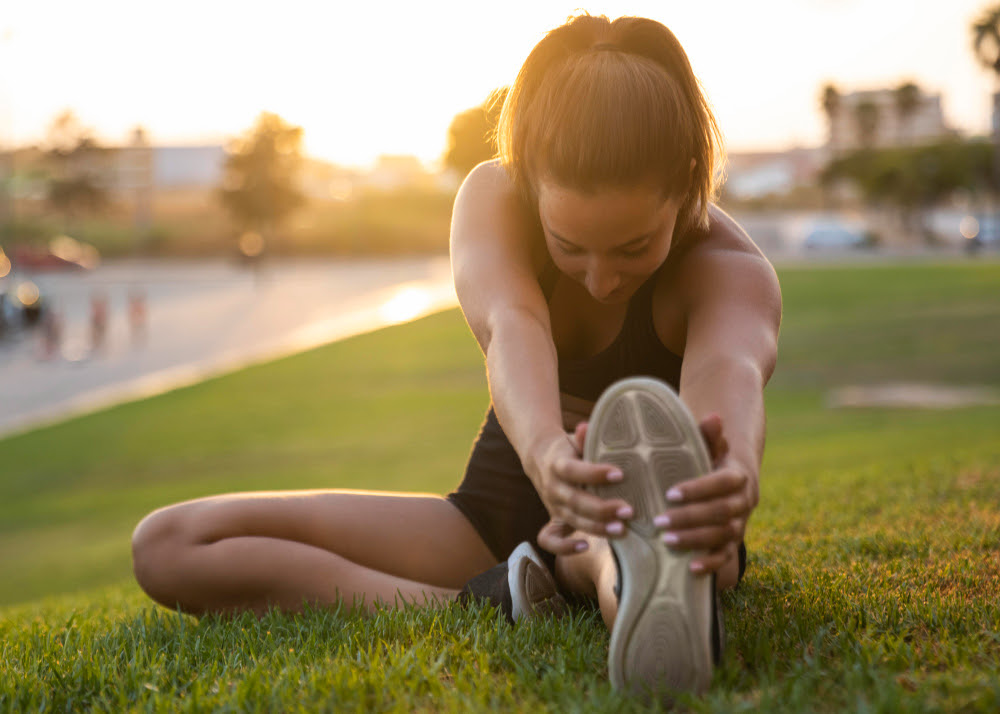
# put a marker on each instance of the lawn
(874, 571)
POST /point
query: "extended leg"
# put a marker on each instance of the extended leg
(282, 549)
(593, 574)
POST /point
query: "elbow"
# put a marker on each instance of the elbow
(744, 370)
(768, 360)
(514, 324)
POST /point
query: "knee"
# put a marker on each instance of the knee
(157, 548)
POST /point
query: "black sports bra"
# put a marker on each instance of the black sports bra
(636, 351)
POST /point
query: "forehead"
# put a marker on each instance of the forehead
(613, 213)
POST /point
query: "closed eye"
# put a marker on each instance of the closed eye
(633, 252)
(568, 248)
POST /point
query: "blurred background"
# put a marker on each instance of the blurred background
(190, 186)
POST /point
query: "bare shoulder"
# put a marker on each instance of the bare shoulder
(496, 254)
(724, 264)
(490, 215)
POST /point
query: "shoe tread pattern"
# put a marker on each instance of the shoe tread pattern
(648, 653)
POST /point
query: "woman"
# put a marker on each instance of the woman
(589, 252)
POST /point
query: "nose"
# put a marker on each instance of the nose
(601, 281)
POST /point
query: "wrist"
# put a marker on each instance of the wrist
(540, 450)
(748, 465)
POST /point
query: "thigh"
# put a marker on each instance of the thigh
(497, 496)
(415, 536)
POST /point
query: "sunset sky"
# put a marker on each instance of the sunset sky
(366, 78)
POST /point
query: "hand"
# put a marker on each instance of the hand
(710, 512)
(562, 474)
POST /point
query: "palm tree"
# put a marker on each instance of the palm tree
(866, 118)
(986, 39)
(986, 46)
(907, 97)
(831, 105)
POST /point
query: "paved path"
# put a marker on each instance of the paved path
(203, 319)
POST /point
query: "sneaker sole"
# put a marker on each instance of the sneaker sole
(533, 591)
(661, 638)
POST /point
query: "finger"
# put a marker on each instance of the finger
(711, 427)
(583, 473)
(711, 430)
(713, 561)
(559, 538)
(715, 484)
(602, 529)
(704, 538)
(580, 436)
(577, 503)
(715, 512)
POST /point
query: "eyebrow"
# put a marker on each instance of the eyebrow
(626, 244)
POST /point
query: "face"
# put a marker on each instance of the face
(610, 241)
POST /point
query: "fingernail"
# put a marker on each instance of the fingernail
(624, 512)
(670, 538)
(615, 528)
(675, 494)
(615, 475)
(697, 567)
(661, 521)
(580, 546)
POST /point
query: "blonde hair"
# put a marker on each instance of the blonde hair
(602, 104)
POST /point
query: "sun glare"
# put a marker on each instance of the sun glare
(408, 303)
(27, 293)
(364, 80)
(969, 227)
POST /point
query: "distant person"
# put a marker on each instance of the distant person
(98, 321)
(52, 328)
(137, 317)
(588, 253)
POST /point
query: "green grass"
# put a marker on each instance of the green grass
(874, 571)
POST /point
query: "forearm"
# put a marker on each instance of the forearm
(523, 378)
(734, 390)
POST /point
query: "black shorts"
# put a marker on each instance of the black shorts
(499, 499)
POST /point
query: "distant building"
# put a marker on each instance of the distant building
(751, 175)
(122, 170)
(393, 171)
(886, 124)
(188, 166)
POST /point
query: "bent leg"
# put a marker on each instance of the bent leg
(283, 549)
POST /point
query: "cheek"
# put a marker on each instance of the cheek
(572, 266)
(568, 264)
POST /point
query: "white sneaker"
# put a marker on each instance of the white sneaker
(522, 587)
(663, 637)
(533, 589)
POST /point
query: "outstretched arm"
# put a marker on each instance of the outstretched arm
(734, 311)
(496, 258)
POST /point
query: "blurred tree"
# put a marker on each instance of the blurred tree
(260, 186)
(830, 101)
(471, 136)
(986, 39)
(66, 133)
(986, 47)
(866, 119)
(907, 96)
(75, 196)
(77, 167)
(912, 179)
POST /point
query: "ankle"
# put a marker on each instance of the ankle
(583, 573)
